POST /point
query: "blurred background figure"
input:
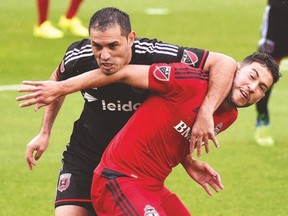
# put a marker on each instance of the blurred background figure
(68, 22)
(274, 41)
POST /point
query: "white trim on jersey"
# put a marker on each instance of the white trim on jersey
(167, 49)
(265, 22)
(140, 48)
(85, 51)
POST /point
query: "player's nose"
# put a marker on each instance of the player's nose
(105, 54)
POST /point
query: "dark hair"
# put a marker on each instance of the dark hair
(108, 17)
(265, 60)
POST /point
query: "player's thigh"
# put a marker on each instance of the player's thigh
(71, 210)
(73, 185)
(143, 194)
(73, 189)
(172, 205)
(277, 32)
(124, 196)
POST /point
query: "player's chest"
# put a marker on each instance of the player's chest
(115, 97)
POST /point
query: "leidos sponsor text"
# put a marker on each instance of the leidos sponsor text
(119, 106)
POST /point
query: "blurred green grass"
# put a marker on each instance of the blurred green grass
(254, 177)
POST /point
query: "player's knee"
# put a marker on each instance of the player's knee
(71, 210)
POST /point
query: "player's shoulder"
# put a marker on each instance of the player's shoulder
(78, 59)
(78, 47)
(146, 44)
(186, 68)
(79, 50)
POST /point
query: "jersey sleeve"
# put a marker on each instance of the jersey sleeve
(77, 60)
(150, 51)
(174, 79)
(160, 78)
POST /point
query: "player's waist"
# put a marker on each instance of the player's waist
(145, 180)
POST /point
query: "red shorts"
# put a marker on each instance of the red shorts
(134, 196)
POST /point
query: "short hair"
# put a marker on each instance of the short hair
(265, 60)
(108, 17)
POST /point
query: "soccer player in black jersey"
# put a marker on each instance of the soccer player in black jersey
(106, 109)
(274, 41)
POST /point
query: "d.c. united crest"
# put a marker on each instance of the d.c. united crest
(64, 181)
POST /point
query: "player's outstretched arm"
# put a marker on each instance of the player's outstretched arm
(43, 93)
(203, 174)
(38, 145)
(221, 70)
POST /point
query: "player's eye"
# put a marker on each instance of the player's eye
(113, 46)
(263, 89)
(252, 77)
(97, 46)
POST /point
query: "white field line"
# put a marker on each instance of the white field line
(9, 87)
(156, 11)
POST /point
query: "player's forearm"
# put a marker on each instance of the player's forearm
(192, 166)
(221, 73)
(50, 113)
(189, 159)
(78, 83)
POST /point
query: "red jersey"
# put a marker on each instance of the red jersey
(156, 138)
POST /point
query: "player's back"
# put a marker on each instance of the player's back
(151, 143)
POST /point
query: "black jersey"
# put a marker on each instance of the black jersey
(108, 108)
(278, 3)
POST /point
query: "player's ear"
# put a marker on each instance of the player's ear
(131, 38)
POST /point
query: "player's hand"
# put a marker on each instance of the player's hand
(35, 148)
(202, 131)
(42, 93)
(203, 174)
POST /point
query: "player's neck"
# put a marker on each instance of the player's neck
(225, 105)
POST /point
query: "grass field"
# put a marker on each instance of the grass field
(255, 178)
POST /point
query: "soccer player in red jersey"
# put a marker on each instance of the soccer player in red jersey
(130, 177)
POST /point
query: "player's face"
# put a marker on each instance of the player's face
(111, 50)
(250, 84)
